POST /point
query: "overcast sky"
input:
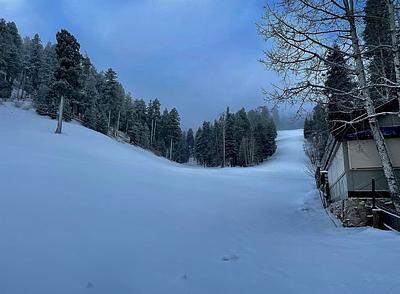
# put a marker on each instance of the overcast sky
(196, 55)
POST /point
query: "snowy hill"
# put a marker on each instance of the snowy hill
(82, 213)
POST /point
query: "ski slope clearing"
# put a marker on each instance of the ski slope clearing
(82, 213)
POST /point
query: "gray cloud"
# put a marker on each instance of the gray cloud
(197, 55)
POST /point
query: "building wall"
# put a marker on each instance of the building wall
(337, 175)
(363, 154)
(360, 180)
(364, 164)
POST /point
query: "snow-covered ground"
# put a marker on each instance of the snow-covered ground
(81, 213)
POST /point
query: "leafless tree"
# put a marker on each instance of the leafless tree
(299, 33)
(60, 116)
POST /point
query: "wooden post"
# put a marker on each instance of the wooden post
(376, 221)
(373, 193)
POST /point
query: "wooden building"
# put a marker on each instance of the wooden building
(351, 162)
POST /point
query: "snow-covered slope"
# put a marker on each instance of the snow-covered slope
(81, 213)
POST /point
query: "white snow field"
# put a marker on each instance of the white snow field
(82, 213)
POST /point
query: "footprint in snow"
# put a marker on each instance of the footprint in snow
(230, 258)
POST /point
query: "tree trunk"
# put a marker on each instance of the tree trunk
(155, 129)
(244, 142)
(369, 107)
(170, 151)
(223, 144)
(23, 85)
(109, 122)
(60, 116)
(20, 91)
(253, 143)
(151, 132)
(117, 129)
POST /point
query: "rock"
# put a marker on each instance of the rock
(352, 212)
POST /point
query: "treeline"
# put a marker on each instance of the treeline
(64, 84)
(341, 89)
(316, 133)
(45, 74)
(236, 139)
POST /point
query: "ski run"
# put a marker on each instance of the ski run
(83, 213)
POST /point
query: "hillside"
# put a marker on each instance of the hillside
(82, 213)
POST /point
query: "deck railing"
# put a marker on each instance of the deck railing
(385, 215)
(388, 217)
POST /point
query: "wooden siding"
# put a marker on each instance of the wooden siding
(363, 154)
(337, 176)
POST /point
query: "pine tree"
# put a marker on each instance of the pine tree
(10, 57)
(43, 102)
(339, 87)
(102, 123)
(173, 131)
(207, 137)
(24, 81)
(320, 129)
(34, 66)
(153, 114)
(111, 97)
(199, 146)
(162, 140)
(271, 136)
(89, 96)
(307, 128)
(230, 143)
(139, 134)
(182, 149)
(241, 130)
(203, 148)
(90, 117)
(67, 75)
(190, 142)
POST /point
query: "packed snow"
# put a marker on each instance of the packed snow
(82, 213)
